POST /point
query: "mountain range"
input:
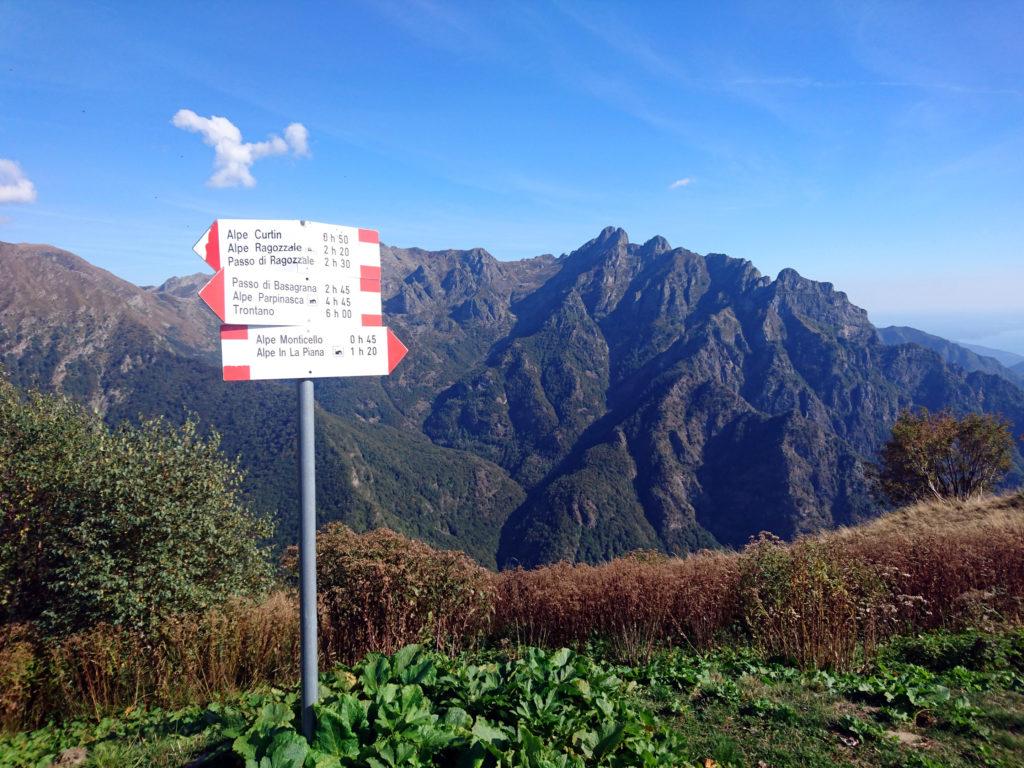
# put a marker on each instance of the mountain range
(621, 396)
(1009, 359)
(970, 358)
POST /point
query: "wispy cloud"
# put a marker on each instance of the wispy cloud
(614, 32)
(15, 187)
(444, 26)
(684, 182)
(233, 158)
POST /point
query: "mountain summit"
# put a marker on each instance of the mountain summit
(618, 397)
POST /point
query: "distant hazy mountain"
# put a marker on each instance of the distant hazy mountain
(968, 357)
(621, 396)
(1009, 359)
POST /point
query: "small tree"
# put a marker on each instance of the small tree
(941, 456)
(122, 526)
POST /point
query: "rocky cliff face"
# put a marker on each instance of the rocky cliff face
(651, 397)
(617, 397)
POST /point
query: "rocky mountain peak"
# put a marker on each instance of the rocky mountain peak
(654, 247)
(185, 287)
(622, 396)
(610, 240)
(738, 272)
(818, 307)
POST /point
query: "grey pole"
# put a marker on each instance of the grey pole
(307, 558)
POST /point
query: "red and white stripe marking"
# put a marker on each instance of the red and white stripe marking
(232, 242)
(299, 299)
(251, 353)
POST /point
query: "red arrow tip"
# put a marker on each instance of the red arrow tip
(213, 247)
(208, 247)
(396, 350)
(213, 294)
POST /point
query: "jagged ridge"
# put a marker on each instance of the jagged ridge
(620, 396)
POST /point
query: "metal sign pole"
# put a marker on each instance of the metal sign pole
(307, 558)
(313, 293)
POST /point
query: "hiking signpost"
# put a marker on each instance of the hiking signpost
(299, 300)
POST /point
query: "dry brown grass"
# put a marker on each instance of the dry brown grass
(810, 603)
(991, 513)
(190, 659)
(821, 601)
(635, 604)
(824, 601)
(947, 563)
(380, 591)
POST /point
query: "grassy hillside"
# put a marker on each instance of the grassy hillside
(891, 643)
(987, 516)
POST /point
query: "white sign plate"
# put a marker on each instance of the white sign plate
(308, 351)
(270, 296)
(290, 272)
(290, 244)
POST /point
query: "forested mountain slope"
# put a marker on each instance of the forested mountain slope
(617, 397)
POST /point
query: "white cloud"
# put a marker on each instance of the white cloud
(681, 183)
(14, 185)
(298, 139)
(233, 158)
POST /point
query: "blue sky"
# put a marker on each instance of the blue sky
(876, 146)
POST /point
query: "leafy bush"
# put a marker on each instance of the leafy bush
(542, 710)
(123, 527)
(941, 456)
(380, 591)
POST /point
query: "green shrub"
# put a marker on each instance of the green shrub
(943, 651)
(940, 456)
(122, 526)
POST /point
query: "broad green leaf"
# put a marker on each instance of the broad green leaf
(404, 658)
(376, 673)
(334, 734)
(458, 717)
(561, 657)
(418, 673)
(611, 737)
(532, 746)
(272, 716)
(288, 750)
(582, 686)
(488, 733)
(434, 739)
(243, 747)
